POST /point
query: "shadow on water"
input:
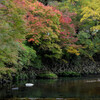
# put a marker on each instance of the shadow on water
(53, 89)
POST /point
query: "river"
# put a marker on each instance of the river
(82, 88)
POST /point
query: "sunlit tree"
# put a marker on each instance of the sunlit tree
(91, 13)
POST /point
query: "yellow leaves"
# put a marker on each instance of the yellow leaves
(72, 50)
(91, 11)
(95, 28)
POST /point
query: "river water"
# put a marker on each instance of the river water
(83, 88)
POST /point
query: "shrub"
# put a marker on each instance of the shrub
(27, 56)
(6, 73)
(90, 44)
(69, 74)
(47, 75)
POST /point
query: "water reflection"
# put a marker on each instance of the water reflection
(66, 88)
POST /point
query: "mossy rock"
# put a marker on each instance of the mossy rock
(47, 75)
(69, 74)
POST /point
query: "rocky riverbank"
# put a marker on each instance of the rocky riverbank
(85, 68)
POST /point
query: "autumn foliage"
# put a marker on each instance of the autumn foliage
(32, 33)
(48, 27)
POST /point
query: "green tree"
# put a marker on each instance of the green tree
(91, 13)
(12, 29)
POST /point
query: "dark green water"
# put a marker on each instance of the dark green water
(55, 89)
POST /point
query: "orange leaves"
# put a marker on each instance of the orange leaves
(38, 4)
(42, 20)
(66, 20)
(36, 41)
(32, 8)
(31, 39)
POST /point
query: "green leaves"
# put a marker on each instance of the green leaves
(27, 56)
(91, 45)
(12, 29)
(83, 35)
(56, 51)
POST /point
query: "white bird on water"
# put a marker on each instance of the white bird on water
(29, 84)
